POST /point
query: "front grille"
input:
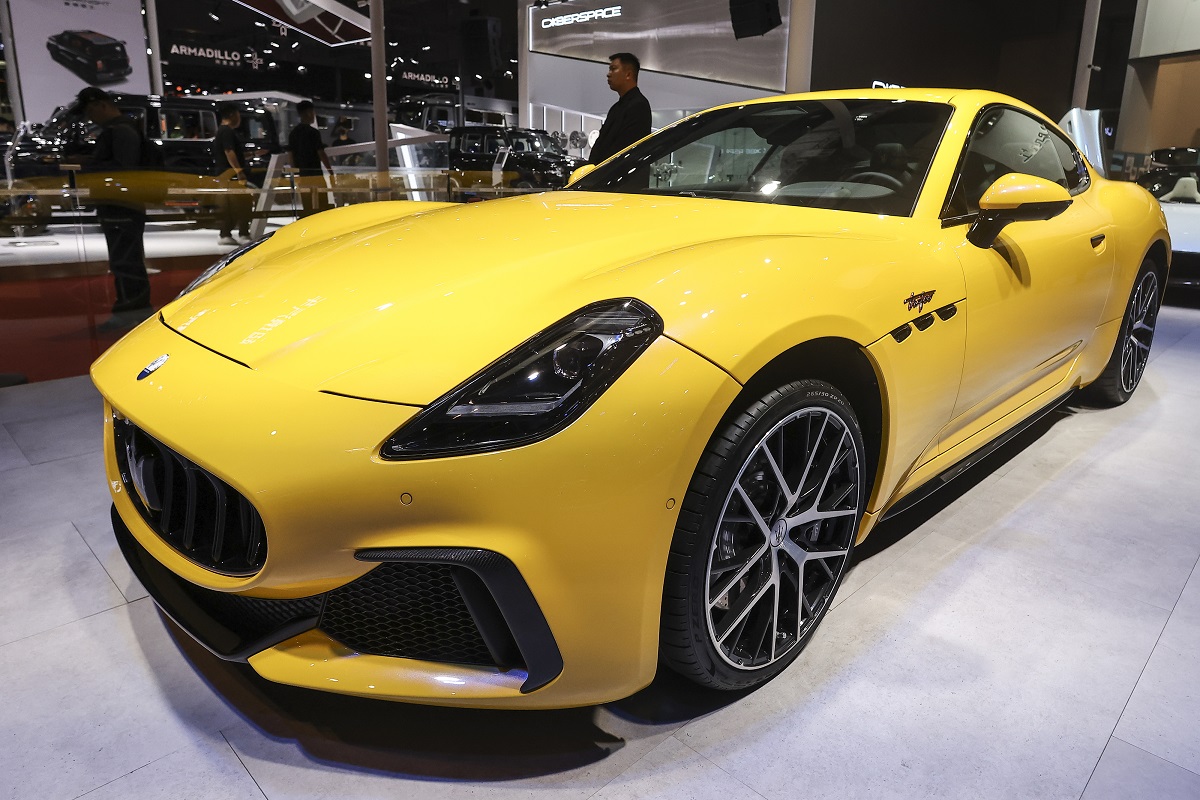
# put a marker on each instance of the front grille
(194, 511)
(407, 611)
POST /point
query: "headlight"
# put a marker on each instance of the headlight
(535, 390)
(207, 275)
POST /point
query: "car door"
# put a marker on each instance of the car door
(1034, 298)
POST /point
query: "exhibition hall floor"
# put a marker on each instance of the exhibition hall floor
(1032, 631)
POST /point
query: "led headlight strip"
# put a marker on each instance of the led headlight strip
(536, 389)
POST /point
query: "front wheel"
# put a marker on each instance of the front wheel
(764, 537)
(1123, 372)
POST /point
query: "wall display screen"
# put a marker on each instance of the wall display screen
(65, 45)
(694, 38)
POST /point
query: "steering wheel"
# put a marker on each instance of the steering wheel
(880, 178)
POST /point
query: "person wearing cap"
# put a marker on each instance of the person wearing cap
(119, 148)
(308, 156)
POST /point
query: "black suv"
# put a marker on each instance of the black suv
(92, 56)
(534, 159)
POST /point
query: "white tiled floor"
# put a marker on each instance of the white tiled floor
(1031, 632)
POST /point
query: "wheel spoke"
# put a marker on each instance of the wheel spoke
(744, 609)
(752, 562)
(763, 527)
(789, 496)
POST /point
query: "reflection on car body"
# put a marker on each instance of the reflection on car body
(180, 128)
(531, 159)
(642, 421)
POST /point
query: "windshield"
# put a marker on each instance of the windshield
(531, 142)
(411, 114)
(857, 155)
(550, 145)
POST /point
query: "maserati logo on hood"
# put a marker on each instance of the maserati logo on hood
(152, 366)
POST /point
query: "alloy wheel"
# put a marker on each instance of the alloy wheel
(782, 541)
(1143, 314)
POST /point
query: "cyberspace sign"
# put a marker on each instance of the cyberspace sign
(693, 38)
(585, 16)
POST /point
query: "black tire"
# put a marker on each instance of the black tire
(776, 566)
(1127, 363)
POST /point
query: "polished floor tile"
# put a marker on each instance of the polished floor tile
(48, 439)
(1163, 715)
(1126, 772)
(205, 770)
(10, 454)
(87, 703)
(48, 399)
(49, 577)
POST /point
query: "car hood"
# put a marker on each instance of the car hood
(405, 309)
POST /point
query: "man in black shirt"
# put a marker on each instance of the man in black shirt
(229, 153)
(629, 118)
(119, 148)
(308, 155)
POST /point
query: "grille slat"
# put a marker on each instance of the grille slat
(200, 515)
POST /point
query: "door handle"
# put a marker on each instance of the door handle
(1098, 240)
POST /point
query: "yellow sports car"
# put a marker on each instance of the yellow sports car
(520, 453)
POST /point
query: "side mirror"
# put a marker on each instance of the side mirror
(580, 172)
(1015, 197)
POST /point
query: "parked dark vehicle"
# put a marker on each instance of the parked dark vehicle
(1167, 166)
(181, 128)
(92, 56)
(534, 159)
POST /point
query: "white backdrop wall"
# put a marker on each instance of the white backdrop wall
(580, 85)
(1164, 27)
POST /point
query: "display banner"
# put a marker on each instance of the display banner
(693, 38)
(64, 45)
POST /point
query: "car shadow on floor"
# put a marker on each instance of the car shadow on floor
(437, 743)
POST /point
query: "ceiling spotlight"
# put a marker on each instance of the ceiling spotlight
(275, 44)
(426, 48)
(367, 75)
(295, 45)
(213, 15)
(259, 24)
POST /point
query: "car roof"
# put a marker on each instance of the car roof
(95, 38)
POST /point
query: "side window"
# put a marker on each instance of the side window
(1006, 140)
(187, 124)
(473, 143)
(493, 143)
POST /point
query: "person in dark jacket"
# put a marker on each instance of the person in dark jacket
(229, 156)
(308, 156)
(120, 147)
(629, 118)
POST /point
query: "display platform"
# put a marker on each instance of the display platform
(1031, 631)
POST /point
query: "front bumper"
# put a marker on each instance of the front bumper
(584, 520)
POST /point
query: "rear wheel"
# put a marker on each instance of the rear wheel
(764, 537)
(1130, 354)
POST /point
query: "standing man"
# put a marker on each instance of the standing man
(629, 118)
(119, 148)
(229, 153)
(308, 156)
